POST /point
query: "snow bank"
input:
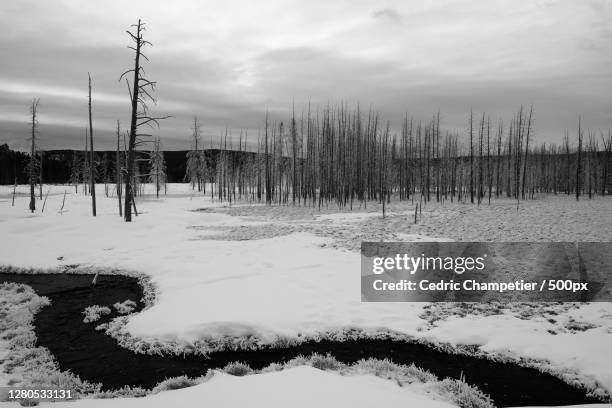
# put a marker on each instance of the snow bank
(299, 387)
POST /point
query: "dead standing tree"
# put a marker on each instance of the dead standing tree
(118, 168)
(193, 171)
(33, 164)
(527, 138)
(141, 92)
(157, 165)
(579, 161)
(40, 173)
(92, 162)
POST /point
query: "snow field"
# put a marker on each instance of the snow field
(294, 285)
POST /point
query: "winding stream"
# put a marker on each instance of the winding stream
(96, 357)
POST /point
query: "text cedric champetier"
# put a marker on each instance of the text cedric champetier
(451, 285)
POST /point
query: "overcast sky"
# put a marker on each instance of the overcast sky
(229, 61)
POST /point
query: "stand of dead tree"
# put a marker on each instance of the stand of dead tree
(340, 156)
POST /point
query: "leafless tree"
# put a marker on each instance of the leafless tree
(527, 138)
(194, 156)
(471, 157)
(157, 166)
(33, 164)
(118, 169)
(40, 173)
(566, 144)
(141, 93)
(92, 162)
(607, 161)
(579, 161)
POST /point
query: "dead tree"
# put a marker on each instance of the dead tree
(500, 130)
(14, 191)
(32, 165)
(579, 161)
(568, 178)
(294, 155)
(141, 93)
(85, 170)
(471, 157)
(489, 175)
(118, 170)
(509, 160)
(268, 183)
(92, 162)
(480, 163)
(194, 157)
(40, 173)
(526, 151)
(605, 170)
(157, 173)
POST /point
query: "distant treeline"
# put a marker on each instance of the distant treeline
(57, 165)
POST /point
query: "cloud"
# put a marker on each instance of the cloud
(230, 62)
(388, 14)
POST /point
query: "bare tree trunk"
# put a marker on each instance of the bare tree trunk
(157, 169)
(294, 159)
(14, 191)
(489, 175)
(526, 152)
(471, 158)
(118, 171)
(85, 163)
(509, 160)
(92, 162)
(480, 164)
(32, 169)
(141, 91)
(579, 161)
(499, 159)
(63, 202)
(438, 157)
(129, 194)
(606, 179)
(267, 167)
(40, 174)
(45, 202)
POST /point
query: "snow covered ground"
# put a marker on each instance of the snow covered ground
(298, 387)
(270, 273)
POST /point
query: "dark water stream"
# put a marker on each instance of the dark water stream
(96, 357)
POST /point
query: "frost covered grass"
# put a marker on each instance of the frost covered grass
(401, 373)
(125, 307)
(26, 365)
(127, 391)
(238, 369)
(457, 392)
(553, 312)
(462, 394)
(94, 313)
(299, 387)
(176, 383)
(410, 377)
